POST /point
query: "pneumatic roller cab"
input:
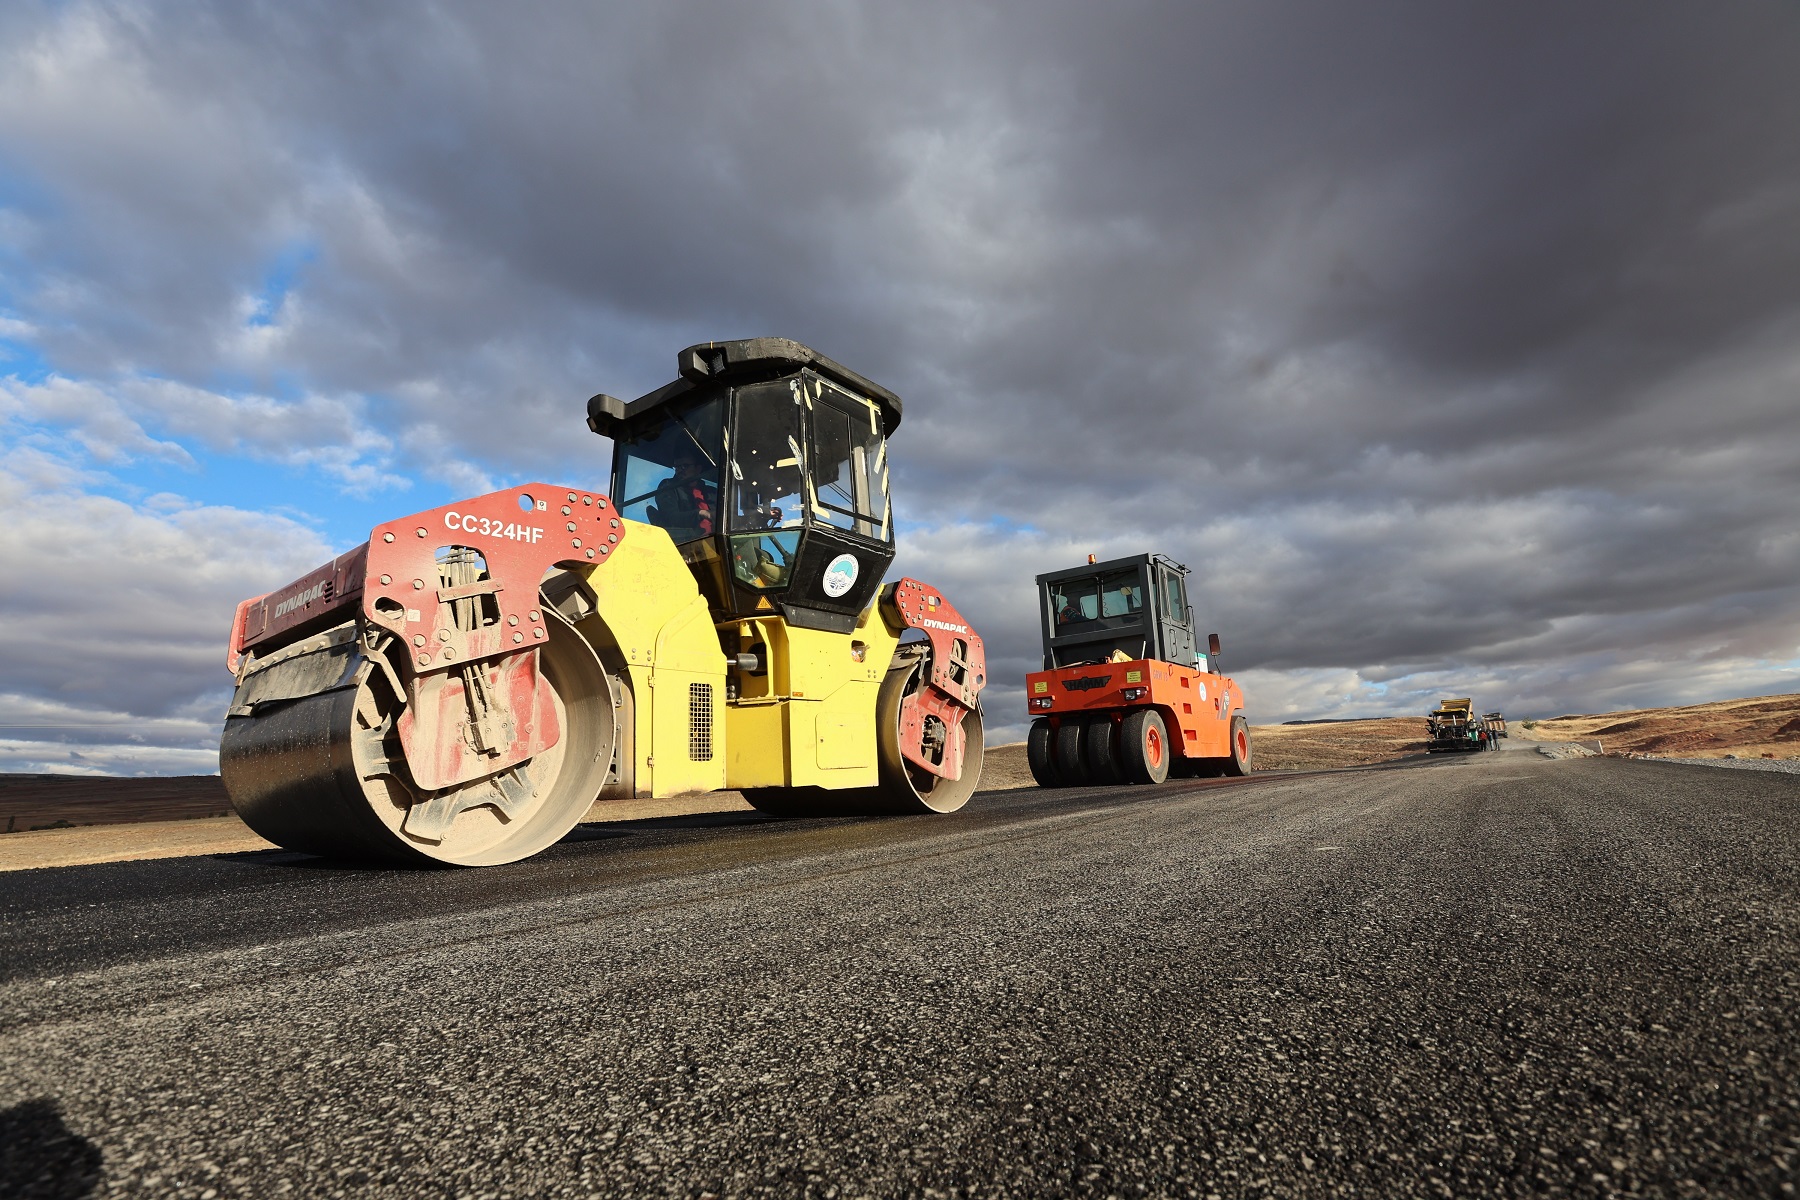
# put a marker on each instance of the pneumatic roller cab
(1126, 695)
(464, 686)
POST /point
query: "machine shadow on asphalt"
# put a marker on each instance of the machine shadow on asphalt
(293, 860)
(588, 832)
(42, 1157)
(723, 820)
(1015, 798)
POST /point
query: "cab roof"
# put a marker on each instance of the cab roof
(1112, 564)
(748, 360)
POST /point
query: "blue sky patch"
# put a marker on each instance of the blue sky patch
(281, 278)
(22, 360)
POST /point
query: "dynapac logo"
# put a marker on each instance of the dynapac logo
(946, 626)
(1086, 683)
(300, 599)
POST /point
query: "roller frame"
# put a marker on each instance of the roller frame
(957, 672)
(382, 604)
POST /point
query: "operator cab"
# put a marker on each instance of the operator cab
(766, 462)
(1135, 605)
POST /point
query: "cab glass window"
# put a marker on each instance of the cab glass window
(1175, 601)
(1121, 594)
(765, 458)
(1099, 602)
(1074, 602)
(849, 462)
(766, 484)
(764, 561)
(669, 469)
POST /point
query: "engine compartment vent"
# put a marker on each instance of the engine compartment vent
(700, 722)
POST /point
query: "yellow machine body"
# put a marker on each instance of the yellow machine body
(806, 720)
(809, 720)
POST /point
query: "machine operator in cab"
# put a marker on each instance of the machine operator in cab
(687, 500)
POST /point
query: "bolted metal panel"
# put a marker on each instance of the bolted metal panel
(483, 717)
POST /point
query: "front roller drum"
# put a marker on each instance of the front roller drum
(326, 773)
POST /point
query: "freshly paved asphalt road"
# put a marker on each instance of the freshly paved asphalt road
(1490, 975)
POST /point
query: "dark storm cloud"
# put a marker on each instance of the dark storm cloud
(1446, 341)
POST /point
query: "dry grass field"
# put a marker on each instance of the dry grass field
(1758, 726)
(1326, 744)
(29, 802)
(1755, 727)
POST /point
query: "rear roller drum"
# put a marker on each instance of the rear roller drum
(904, 787)
(326, 773)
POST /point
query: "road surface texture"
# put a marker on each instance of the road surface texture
(1490, 975)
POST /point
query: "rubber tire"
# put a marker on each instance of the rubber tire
(1144, 746)
(1192, 768)
(1100, 746)
(1071, 761)
(1238, 763)
(1040, 753)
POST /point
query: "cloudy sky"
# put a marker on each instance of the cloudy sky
(1456, 346)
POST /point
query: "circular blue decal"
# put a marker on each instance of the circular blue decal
(840, 575)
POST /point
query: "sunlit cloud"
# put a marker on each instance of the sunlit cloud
(1454, 348)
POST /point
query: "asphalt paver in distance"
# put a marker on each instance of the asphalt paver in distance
(1496, 975)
